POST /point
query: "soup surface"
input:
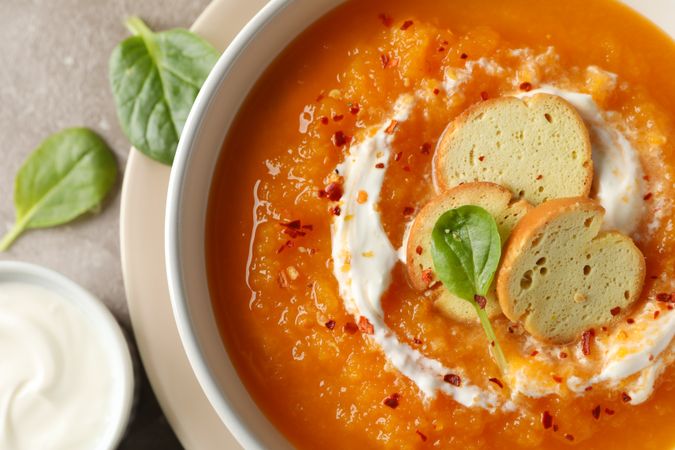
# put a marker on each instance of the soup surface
(313, 367)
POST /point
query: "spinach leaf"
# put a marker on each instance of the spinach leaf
(67, 175)
(155, 78)
(466, 248)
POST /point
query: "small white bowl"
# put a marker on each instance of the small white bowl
(112, 337)
(263, 38)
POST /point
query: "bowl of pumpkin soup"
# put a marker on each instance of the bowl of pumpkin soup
(421, 224)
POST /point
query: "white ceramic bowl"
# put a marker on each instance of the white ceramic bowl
(216, 106)
(115, 344)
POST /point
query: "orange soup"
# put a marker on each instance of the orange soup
(326, 375)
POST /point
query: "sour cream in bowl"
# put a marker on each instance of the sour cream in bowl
(66, 374)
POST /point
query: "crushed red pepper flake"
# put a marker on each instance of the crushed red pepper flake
(453, 379)
(392, 401)
(338, 117)
(586, 341)
(397, 156)
(546, 420)
(421, 435)
(418, 250)
(365, 326)
(417, 341)
(647, 196)
(664, 297)
(569, 437)
(308, 226)
(386, 19)
(408, 210)
(563, 355)
(441, 49)
(481, 158)
(534, 353)
(596, 412)
(482, 301)
(392, 127)
(426, 148)
(496, 381)
(436, 91)
(427, 276)
(656, 314)
(555, 427)
(406, 168)
(334, 191)
(463, 56)
(558, 379)
(630, 321)
(336, 211)
(588, 388)
(407, 24)
(540, 176)
(625, 397)
(526, 86)
(609, 412)
(340, 139)
(615, 311)
(294, 224)
(330, 324)
(351, 328)
(379, 166)
(484, 95)
(287, 244)
(354, 108)
(324, 120)
(388, 61)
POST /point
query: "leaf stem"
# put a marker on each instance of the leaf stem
(11, 235)
(495, 349)
(137, 27)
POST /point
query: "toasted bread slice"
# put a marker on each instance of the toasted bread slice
(560, 275)
(494, 199)
(538, 148)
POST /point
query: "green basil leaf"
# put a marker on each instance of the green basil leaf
(466, 248)
(155, 78)
(67, 175)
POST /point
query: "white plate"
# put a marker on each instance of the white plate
(142, 245)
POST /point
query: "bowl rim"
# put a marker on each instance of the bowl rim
(105, 325)
(205, 376)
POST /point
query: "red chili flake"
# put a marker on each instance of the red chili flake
(615, 311)
(596, 412)
(586, 341)
(294, 224)
(417, 341)
(436, 91)
(496, 381)
(569, 437)
(406, 168)
(482, 301)
(557, 378)
(539, 177)
(630, 321)
(546, 420)
(351, 328)
(365, 326)
(334, 191)
(336, 211)
(284, 245)
(388, 61)
(397, 156)
(664, 297)
(534, 353)
(355, 108)
(418, 250)
(392, 127)
(647, 196)
(588, 388)
(392, 400)
(453, 379)
(407, 24)
(426, 148)
(386, 19)
(308, 226)
(320, 97)
(441, 49)
(408, 210)
(481, 158)
(324, 120)
(338, 117)
(379, 166)
(609, 412)
(421, 435)
(555, 427)
(625, 397)
(526, 86)
(330, 324)
(321, 193)
(484, 95)
(463, 56)
(656, 314)
(563, 355)
(427, 276)
(340, 139)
